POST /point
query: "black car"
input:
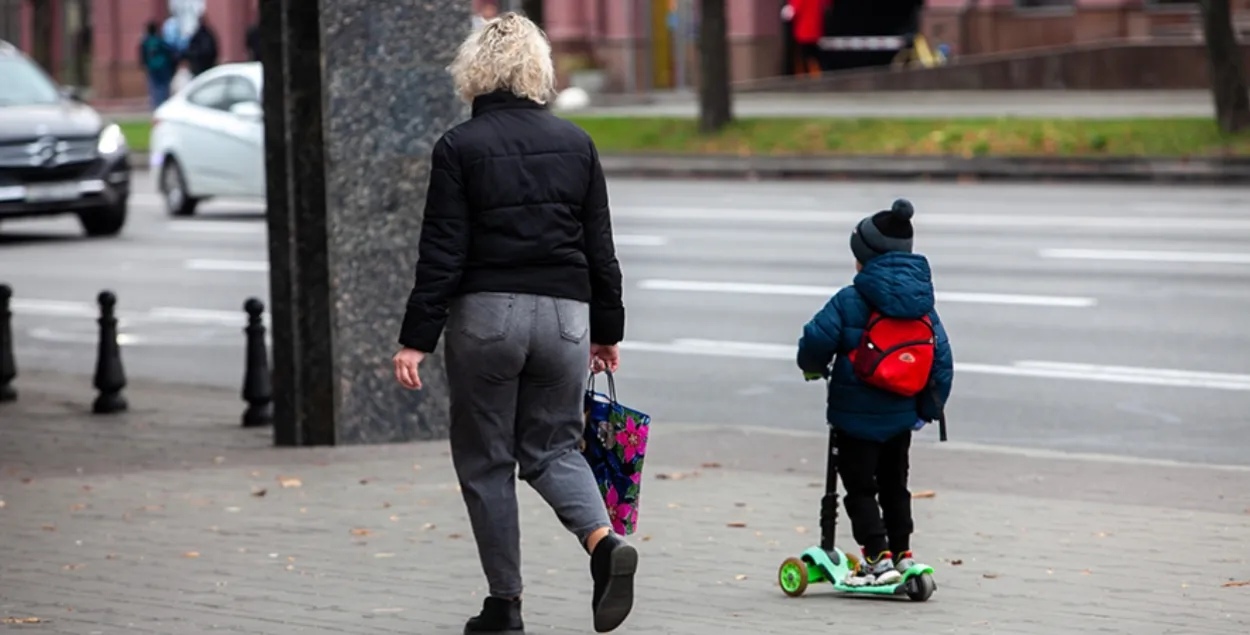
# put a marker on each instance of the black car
(57, 154)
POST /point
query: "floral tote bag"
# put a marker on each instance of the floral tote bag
(614, 444)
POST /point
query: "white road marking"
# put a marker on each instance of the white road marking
(1031, 369)
(847, 219)
(639, 240)
(962, 446)
(217, 227)
(965, 297)
(22, 307)
(1147, 256)
(253, 266)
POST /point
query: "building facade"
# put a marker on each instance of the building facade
(637, 44)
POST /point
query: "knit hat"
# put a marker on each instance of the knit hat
(883, 232)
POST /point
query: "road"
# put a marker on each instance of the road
(962, 103)
(1093, 319)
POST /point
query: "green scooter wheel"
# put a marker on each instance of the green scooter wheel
(792, 576)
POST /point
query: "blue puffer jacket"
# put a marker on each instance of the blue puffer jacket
(898, 285)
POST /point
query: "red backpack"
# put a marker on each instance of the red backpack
(895, 354)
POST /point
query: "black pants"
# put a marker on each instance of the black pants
(873, 471)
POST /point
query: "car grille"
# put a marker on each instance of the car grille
(18, 176)
(47, 152)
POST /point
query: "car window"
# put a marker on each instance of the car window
(25, 83)
(211, 95)
(240, 90)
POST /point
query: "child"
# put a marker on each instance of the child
(880, 387)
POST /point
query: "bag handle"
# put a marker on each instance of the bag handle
(611, 384)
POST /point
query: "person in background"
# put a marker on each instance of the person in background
(488, 13)
(171, 32)
(252, 40)
(160, 61)
(807, 22)
(202, 50)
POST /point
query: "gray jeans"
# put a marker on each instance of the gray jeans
(517, 367)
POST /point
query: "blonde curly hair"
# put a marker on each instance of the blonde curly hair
(509, 53)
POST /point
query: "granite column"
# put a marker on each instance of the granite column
(356, 93)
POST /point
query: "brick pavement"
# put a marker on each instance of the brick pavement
(152, 523)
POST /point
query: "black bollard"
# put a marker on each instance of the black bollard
(110, 378)
(257, 391)
(8, 367)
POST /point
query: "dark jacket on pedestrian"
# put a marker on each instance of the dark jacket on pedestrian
(898, 285)
(492, 224)
(201, 53)
(159, 59)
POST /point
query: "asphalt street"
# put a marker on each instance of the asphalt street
(1091, 319)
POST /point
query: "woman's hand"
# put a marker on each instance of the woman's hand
(603, 357)
(406, 362)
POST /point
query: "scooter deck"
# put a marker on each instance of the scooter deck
(825, 569)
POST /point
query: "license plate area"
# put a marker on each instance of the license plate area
(52, 192)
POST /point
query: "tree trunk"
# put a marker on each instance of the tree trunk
(533, 9)
(715, 100)
(1228, 77)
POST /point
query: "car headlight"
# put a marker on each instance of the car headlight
(112, 140)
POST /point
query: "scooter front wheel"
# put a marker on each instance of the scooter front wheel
(921, 587)
(792, 576)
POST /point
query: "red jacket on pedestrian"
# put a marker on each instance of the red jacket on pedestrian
(809, 20)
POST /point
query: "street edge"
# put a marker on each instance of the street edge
(1204, 170)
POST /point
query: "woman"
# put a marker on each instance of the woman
(517, 261)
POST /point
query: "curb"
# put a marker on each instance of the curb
(1205, 170)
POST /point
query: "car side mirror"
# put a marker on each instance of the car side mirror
(72, 93)
(249, 110)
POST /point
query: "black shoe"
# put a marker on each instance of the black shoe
(612, 566)
(498, 616)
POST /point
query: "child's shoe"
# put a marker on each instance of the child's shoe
(876, 571)
(904, 561)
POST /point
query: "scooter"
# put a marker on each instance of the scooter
(827, 563)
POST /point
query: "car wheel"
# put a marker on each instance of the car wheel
(104, 221)
(174, 190)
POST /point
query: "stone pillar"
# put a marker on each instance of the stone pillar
(356, 94)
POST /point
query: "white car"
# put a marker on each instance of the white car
(209, 139)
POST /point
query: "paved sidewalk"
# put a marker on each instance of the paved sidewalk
(173, 521)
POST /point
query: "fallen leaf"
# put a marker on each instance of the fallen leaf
(925, 494)
(289, 481)
(989, 576)
(394, 519)
(386, 505)
(191, 554)
(361, 532)
(800, 529)
(711, 465)
(27, 480)
(1, 504)
(111, 556)
(662, 477)
(646, 538)
(72, 567)
(86, 488)
(416, 468)
(427, 526)
(1236, 583)
(956, 563)
(254, 474)
(740, 504)
(78, 507)
(453, 536)
(259, 491)
(736, 524)
(219, 460)
(1102, 534)
(740, 577)
(367, 480)
(21, 620)
(1086, 572)
(383, 555)
(49, 527)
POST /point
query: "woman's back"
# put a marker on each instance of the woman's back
(526, 179)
